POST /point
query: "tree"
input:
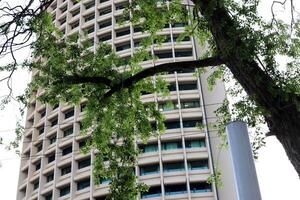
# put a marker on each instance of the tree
(237, 39)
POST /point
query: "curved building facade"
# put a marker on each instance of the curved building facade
(175, 166)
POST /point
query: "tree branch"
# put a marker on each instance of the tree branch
(167, 67)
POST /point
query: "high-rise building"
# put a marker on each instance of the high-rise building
(175, 166)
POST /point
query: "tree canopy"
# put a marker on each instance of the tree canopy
(235, 39)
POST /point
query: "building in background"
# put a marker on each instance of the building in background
(176, 166)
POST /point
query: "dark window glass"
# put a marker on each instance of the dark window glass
(137, 29)
(84, 163)
(175, 25)
(51, 158)
(41, 130)
(190, 123)
(171, 145)
(54, 122)
(83, 184)
(121, 6)
(39, 147)
(161, 55)
(38, 166)
(65, 170)
(89, 17)
(48, 197)
(186, 53)
(123, 47)
(67, 150)
(36, 185)
(175, 189)
(198, 164)
(149, 148)
(68, 131)
(152, 192)
(90, 30)
(104, 38)
(149, 169)
(167, 106)
(200, 187)
(123, 32)
(105, 24)
(89, 5)
(188, 86)
(52, 139)
(172, 125)
(75, 12)
(50, 177)
(63, 9)
(195, 143)
(172, 87)
(74, 25)
(69, 113)
(105, 11)
(171, 167)
(64, 191)
(43, 113)
(82, 107)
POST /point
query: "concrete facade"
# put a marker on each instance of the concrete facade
(175, 166)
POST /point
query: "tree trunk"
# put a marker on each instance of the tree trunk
(282, 108)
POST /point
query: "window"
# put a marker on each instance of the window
(89, 17)
(171, 145)
(190, 123)
(105, 11)
(65, 170)
(68, 131)
(172, 87)
(55, 106)
(67, 150)
(104, 24)
(176, 25)
(149, 169)
(39, 147)
(82, 144)
(52, 139)
(50, 177)
(64, 191)
(183, 53)
(48, 196)
(54, 122)
(175, 189)
(187, 70)
(51, 158)
(123, 46)
(82, 107)
(102, 1)
(200, 187)
(190, 104)
(38, 166)
(83, 184)
(171, 167)
(43, 113)
(74, 25)
(188, 86)
(84, 163)
(89, 30)
(137, 29)
(164, 54)
(198, 164)
(69, 113)
(36, 185)
(90, 5)
(152, 192)
(195, 143)
(63, 20)
(149, 148)
(75, 12)
(105, 37)
(167, 106)
(122, 32)
(41, 129)
(63, 9)
(175, 37)
(172, 125)
(121, 6)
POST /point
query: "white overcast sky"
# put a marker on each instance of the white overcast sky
(277, 178)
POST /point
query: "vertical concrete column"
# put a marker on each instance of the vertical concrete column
(242, 160)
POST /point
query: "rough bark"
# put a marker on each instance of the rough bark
(282, 108)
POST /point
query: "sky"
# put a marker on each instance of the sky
(277, 178)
